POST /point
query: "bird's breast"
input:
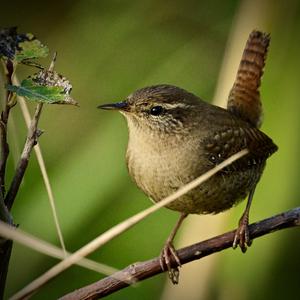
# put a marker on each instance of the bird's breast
(159, 167)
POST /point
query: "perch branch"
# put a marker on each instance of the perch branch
(143, 270)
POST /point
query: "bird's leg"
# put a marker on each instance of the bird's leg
(241, 237)
(169, 251)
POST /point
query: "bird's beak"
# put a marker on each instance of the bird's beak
(123, 105)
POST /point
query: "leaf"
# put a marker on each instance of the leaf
(20, 47)
(46, 87)
(30, 50)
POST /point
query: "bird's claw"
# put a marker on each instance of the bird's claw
(241, 237)
(167, 253)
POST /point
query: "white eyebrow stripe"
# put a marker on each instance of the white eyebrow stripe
(176, 105)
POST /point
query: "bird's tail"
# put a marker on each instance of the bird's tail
(244, 98)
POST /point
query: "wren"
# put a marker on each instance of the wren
(174, 137)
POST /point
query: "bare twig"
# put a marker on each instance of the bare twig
(120, 228)
(23, 162)
(12, 233)
(39, 156)
(9, 71)
(5, 245)
(5, 215)
(31, 140)
(147, 269)
(4, 153)
(40, 159)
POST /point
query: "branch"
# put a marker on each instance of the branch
(143, 270)
(32, 136)
(9, 71)
(6, 204)
(4, 152)
(23, 162)
(5, 246)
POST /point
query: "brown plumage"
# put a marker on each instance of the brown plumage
(187, 139)
(244, 98)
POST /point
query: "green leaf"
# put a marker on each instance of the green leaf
(31, 49)
(46, 87)
(20, 46)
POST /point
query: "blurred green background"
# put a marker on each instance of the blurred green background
(109, 49)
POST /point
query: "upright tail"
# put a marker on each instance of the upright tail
(244, 98)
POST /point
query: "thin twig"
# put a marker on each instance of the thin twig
(16, 234)
(39, 156)
(5, 245)
(150, 268)
(4, 153)
(120, 228)
(23, 162)
(30, 142)
(9, 71)
(5, 215)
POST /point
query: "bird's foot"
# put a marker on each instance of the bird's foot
(241, 237)
(167, 254)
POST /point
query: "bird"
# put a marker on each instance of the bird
(174, 137)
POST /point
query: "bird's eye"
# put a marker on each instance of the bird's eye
(156, 110)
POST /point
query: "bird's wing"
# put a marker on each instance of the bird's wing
(229, 140)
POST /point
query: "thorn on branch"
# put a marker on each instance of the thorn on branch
(38, 133)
